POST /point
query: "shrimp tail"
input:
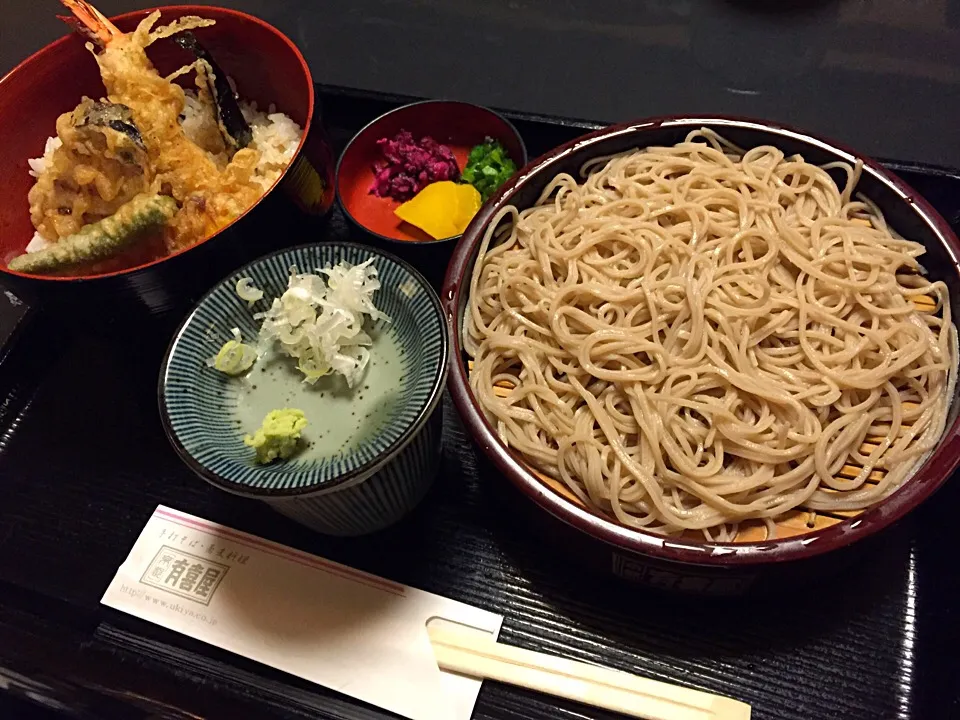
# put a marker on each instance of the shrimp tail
(90, 22)
(79, 28)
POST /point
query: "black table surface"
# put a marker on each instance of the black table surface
(83, 463)
(880, 75)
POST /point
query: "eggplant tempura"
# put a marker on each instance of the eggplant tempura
(205, 155)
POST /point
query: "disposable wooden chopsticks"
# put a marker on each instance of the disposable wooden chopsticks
(466, 651)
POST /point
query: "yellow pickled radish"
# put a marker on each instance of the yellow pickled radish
(469, 203)
(442, 209)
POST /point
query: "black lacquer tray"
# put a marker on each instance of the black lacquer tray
(83, 463)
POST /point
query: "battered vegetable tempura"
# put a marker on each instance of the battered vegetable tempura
(101, 164)
(132, 143)
(209, 197)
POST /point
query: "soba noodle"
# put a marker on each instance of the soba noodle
(698, 335)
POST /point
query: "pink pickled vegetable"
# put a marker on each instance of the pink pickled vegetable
(410, 166)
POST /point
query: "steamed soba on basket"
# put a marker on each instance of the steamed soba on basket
(150, 168)
(709, 341)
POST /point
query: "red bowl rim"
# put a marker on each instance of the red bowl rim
(184, 9)
(379, 119)
(927, 479)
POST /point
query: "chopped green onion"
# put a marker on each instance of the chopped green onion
(234, 357)
(488, 167)
(247, 291)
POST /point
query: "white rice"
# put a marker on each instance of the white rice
(37, 242)
(275, 135)
(196, 119)
(38, 165)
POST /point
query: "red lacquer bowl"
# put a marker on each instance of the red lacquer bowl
(458, 125)
(679, 563)
(267, 68)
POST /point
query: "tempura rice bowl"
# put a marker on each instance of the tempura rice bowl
(276, 93)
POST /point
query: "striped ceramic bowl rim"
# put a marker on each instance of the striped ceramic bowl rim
(194, 399)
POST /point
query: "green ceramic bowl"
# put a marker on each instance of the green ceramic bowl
(368, 455)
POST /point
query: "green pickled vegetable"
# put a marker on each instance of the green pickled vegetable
(488, 167)
(103, 239)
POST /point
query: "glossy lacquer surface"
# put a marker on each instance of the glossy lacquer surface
(83, 463)
(880, 75)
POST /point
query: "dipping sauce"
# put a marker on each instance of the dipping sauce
(340, 419)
